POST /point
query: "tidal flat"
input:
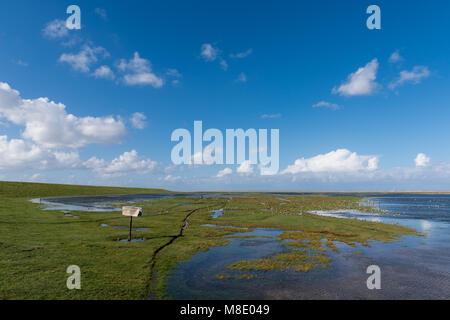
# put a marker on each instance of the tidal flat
(258, 241)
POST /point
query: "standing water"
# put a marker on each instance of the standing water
(412, 268)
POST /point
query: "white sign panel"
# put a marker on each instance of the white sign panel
(131, 212)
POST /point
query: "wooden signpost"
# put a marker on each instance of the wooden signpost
(132, 212)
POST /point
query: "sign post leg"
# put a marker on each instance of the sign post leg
(131, 225)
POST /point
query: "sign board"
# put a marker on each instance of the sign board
(131, 212)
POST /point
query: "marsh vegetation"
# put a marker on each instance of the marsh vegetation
(37, 245)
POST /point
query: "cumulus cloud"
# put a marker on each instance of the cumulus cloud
(341, 160)
(224, 172)
(245, 167)
(48, 124)
(209, 52)
(205, 158)
(361, 82)
(83, 60)
(395, 57)
(415, 76)
(104, 72)
(126, 163)
(241, 55)
(18, 154)
(138, 71)
(324, 104)
(421, 160)
(138, 120)
(55, 29)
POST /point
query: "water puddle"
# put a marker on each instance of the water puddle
(347, 214)
(70, 215)
(132, 240)
(197, 278)
(228, 227)
(103, 225)
(217, 213)
(412, 267)
(56, 206)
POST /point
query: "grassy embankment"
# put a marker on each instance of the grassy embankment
(37, 246)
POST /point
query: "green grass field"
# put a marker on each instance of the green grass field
(37, 246)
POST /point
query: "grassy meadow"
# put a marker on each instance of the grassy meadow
(36, 246)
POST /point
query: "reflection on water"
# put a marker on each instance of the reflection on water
(101, 203)
(217, 213)
(55, 205)
(412, 268)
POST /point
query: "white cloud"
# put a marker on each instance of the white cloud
(362, 82)
(241, 55)
(83, 60)
(341, 160)
(205, 158)
(224, 172)
(55, 29)
(271, 116)
(208, 52)
(242, 78)
(324, 104)
(245, 167)
(421, 160)
(37, 177)
(143, 79)
(395, 57)
(126, 163)
(138, 71)
(170, 178)
(17, 154)
(104, 72)
(138, 120)
(414, 76)
(48, 124)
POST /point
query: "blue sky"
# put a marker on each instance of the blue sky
(233, 64)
